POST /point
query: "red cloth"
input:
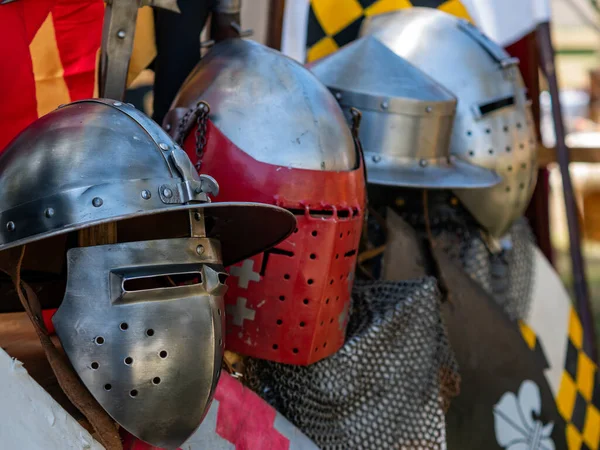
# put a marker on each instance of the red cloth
(243, 419)
(78, 31)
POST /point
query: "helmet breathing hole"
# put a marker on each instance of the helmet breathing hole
(341, 235)
(124, 326)
(327, 301)
(133, 393)
(508, 149)
(149, 332)
(302, 324)
(305, 301)
(471, 153)
(330, 281)
(163, 354)
(316, 349)
(275, 346)
(337, 256)
(518, 124)
(218, 311)
(156, 380)
(95, 365)
(296, 230)
(488, 131)
(469, 133)
(337, 298)
(507, 188)
(523, 166)
(322, 323)
(522, 185)
(509, 168)
(331, 320)
(295, 350)
(99, 340)
(521, 146)
(324, 344)
(279, 321)
(286, 276)
(107, 387)
(313, 256)
(129, 360)
(506, 128)
(314, 232)
(311, 281)
(282, 297)
(491, 151)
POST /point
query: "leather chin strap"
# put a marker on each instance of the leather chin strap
(103, 425)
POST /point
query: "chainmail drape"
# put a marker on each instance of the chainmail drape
(388, 387)
(507, 274)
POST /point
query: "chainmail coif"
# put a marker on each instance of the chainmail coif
(390, 384)
(507, 275)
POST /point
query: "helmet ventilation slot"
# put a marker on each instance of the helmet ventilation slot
(495, 105)
(161, 281)
(340, 213)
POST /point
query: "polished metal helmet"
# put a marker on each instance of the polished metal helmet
(276, 135)
(493, 126)
(143, 348)
(406, 120)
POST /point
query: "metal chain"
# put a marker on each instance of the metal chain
(201, 112)
(201, 122)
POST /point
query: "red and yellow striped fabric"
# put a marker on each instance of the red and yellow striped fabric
(50, 50)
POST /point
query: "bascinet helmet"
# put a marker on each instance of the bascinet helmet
(277, 135)
(145, 351)
(493, 126)
(406, 118)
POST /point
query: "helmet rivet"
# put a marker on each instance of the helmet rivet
(376, 158)
(49, 212)
(197, 216)
(168, 193)
(97, 202)
(121, 34)
(117, 104)
(131, 104)
(423, 163)
(338, 95)
(384, 104)
(146, 194)
(200, 249)
(10, 226)
(428, 109)
(168, 127)
(163, 146)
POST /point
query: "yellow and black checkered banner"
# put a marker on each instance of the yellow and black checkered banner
(578, 399)
(334, 23)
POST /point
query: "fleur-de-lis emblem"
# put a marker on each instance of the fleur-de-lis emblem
(515, 424)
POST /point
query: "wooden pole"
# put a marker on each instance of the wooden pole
(562, 155)
(275, 24)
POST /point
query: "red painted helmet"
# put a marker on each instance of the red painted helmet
(275, 134)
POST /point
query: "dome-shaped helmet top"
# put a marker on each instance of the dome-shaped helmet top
(288, 117)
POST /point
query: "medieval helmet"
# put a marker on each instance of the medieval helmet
(493, 126)
(141, 348)
(406, 120)
(277, 135)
